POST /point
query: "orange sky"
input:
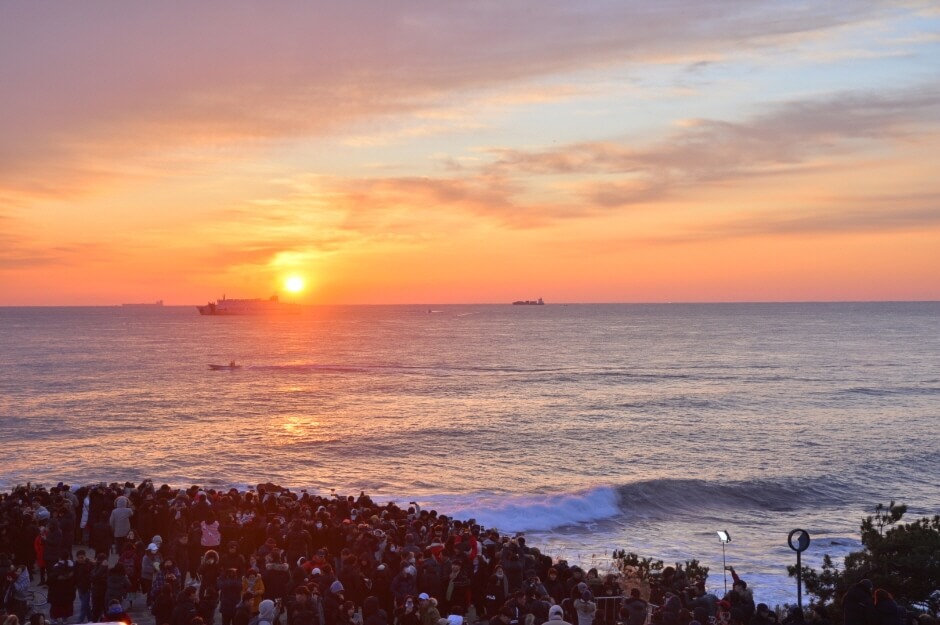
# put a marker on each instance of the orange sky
(469, 152)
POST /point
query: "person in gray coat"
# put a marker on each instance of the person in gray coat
(120, 522)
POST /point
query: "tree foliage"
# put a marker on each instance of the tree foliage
(902, 558)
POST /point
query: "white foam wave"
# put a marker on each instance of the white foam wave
(537, 512)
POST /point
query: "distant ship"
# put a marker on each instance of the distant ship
(155, 304)
(270, 306)
(529, 302)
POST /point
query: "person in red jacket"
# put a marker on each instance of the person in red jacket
(39, 546)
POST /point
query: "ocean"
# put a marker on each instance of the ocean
(589, 427)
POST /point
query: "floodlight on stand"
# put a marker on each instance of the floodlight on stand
(724, 538)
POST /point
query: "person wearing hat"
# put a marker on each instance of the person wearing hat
(149, 567)
(586, 607)
(333, 603)
(427, 610)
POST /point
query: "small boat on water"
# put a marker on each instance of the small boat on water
(156, 304)
(229, 367)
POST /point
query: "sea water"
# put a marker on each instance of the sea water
(589, 427)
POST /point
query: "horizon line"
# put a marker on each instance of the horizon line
(609, 303)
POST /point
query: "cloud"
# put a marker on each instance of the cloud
(526, 189)
(835, 215)
(18, 252)
(93, 86)
(787, 138)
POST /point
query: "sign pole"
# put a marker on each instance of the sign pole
(799, 542)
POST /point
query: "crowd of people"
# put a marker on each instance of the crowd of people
(269, 556)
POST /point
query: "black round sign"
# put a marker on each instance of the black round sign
(799, 540)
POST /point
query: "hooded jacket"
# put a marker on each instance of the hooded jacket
(120, 520)
(266, 612)
(556, 616)
(276, 577)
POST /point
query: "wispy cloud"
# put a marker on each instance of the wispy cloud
(837, 215)
(19, 252)
(787, 137)
(80, 94)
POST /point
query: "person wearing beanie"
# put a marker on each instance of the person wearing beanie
(586, 608)
(333, 603)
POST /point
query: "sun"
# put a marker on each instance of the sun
(294, 284)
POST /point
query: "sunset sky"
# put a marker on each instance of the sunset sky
(474, 151)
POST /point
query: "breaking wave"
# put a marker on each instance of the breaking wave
(652, 499)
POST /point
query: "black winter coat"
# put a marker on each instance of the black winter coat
(184, 612)
(61, 585)
(857, 606)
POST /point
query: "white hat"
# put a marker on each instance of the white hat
(152, 547)
(315, 572)
(423, 597)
